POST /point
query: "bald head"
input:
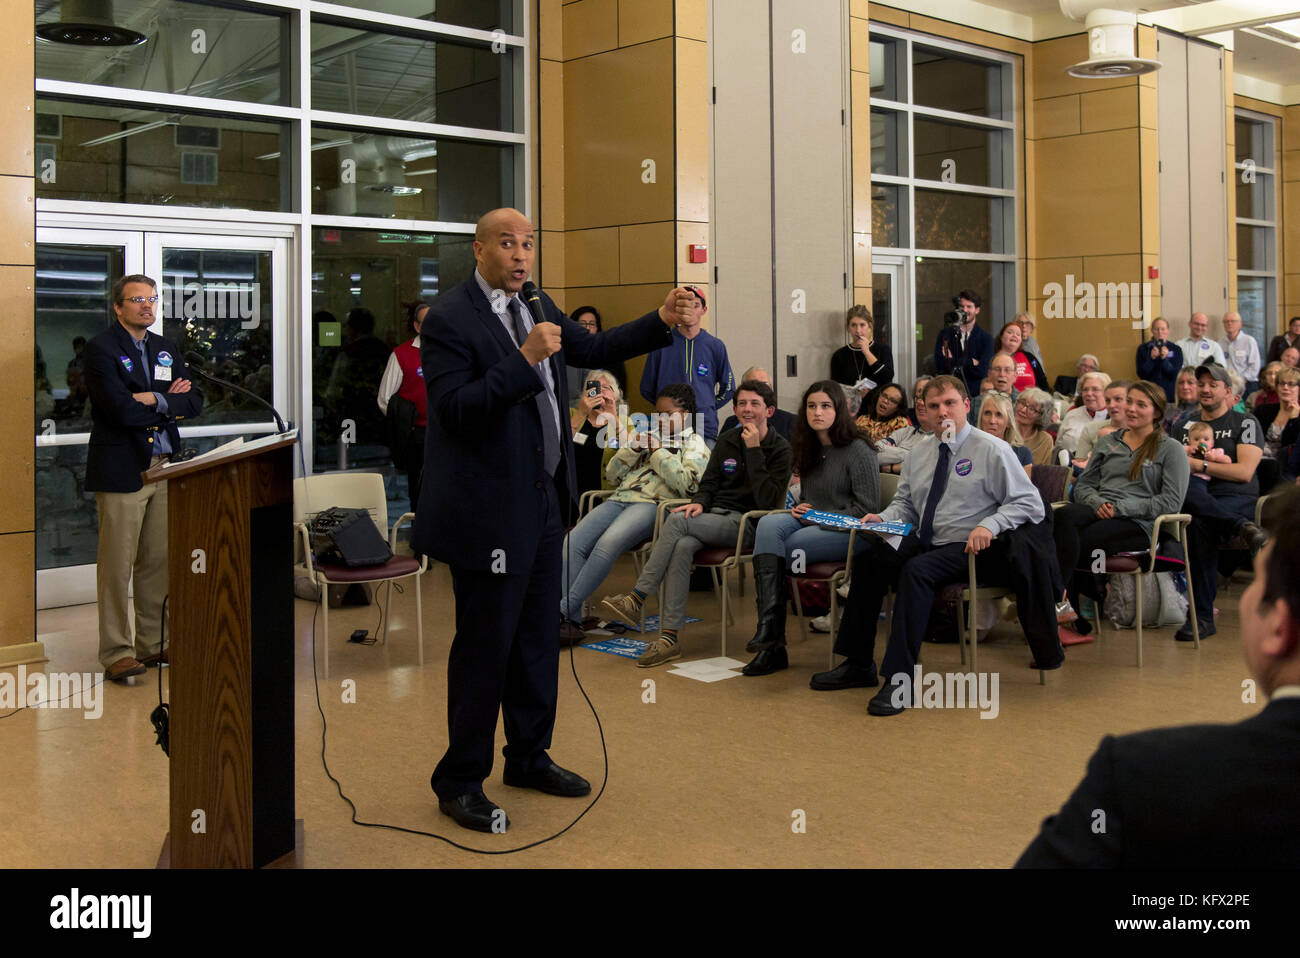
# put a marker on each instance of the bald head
(504, 249)
(1199, 324)
(759, 373)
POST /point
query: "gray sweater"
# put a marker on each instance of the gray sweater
(847, 481)
(1159, 489)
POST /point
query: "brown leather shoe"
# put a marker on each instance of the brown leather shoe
(153, 661)
(570, 634)
(123, 669)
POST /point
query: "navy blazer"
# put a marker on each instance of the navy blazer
(482, 494)
(973, 364)
(122, 430)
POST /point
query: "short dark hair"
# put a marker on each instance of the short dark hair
(588, 309)
(1281, 517)
(121, 285)
(361, 319)
(971, 295)
(763, 390)
(413, 312)
(940, 383)
(680, 393)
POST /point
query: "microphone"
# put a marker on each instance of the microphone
(195, 362)
(532, 297)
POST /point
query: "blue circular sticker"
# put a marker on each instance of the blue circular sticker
(164, 358)
(963, 467)
(729, 466)
(1204, 345)
(419, 371)
(702, 369)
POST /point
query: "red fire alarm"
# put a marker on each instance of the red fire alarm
(697, 253)
(1153, 272)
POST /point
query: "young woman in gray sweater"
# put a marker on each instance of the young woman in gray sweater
(838, 473)
(1134, 474)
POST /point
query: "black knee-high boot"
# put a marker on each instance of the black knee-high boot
(769, 638)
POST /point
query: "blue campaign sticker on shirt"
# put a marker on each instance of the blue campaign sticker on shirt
(729, 466)
(963, 467)
(702, 369)
(164, 358)
(419, 371)
(126, 363)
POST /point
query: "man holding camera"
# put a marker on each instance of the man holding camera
(1160, 361)
(963, 348)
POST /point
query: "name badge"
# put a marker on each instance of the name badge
(162, 373)
(580, 439)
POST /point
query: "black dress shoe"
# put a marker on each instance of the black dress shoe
(882, 703)
(1206, 629)
(766, 662)
(570, 634)
(553, 781)
(847, 675)
(474, 810)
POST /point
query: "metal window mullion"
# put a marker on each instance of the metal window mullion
(303, 250)
(963, 254)
(440, 131)
(148, 100)
(941, 186)
(965, 119)
(392, 225)
(1264, 224)
(363, 19)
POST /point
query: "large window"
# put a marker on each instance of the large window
(1255, 171)
(943, 173)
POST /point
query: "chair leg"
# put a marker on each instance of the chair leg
(725, 612)
(798, 609)
(388, 611)
(324, 642)
(1191, 598)
(830, 655)
(741, 570)
(972, 633)
(1138, 621)
(961, 628)
(419, 623)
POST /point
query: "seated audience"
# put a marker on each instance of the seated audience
(1200, 445)
(1290, 357)
(1290, 338)
(965, 493)
(893, 450)
(865, 357)
(1186, 405)
(917, 389)
(1159, 360)
(588, 317)
(1204, 796)
(1034, 414)
(1069, 385)
(883, 411)
(1198, 348)
(1267, 391)
(1224, 507)
(1240, 351)
(1091, 405)
(837, 473)
(997, 418)
(782, 421)
(1281, 419)
(594, 422)
(748, 469)
(665, 462)
(1029, 371)
(1134, 475)
(1116, 396)
(1001, 380)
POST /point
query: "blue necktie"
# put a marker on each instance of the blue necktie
(550, 429)
(937, 485)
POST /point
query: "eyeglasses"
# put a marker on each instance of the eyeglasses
(138, 300)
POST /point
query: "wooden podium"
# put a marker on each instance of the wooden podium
(230, 651)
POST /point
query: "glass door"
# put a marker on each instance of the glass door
(890, 307)
(223, 298)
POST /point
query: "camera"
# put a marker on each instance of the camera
(957, 315)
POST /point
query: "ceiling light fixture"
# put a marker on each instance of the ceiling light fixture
(88, 23)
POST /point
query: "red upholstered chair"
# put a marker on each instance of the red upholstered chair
(355, 490)
(720, 560)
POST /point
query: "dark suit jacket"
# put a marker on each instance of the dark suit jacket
(123, 429)
(782, 421)
(480, 498)
(1202, 796)
(1276, 348)
(972, 364)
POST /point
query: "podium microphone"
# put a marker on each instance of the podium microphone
(195, 362)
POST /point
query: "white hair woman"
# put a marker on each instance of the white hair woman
(1034, 412)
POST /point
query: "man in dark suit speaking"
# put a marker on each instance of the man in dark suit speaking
(496, 496)
(1204, 796)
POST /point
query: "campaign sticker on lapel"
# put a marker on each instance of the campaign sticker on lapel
(729, 466)
(164, 358)
(702, 369)
(419, 371)
(963, 467)
(126, 363)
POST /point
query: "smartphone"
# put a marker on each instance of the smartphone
(593, 388)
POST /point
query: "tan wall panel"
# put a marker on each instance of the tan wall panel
(1050, 59)
(17, 304)
(1058, 116)
(859, 46)
(862, 295)
(983, 38)
(618, 305)
(860, 9)
(860, 93)
(550, 145)
(591, 257)
(697, 274)
(878, 11)
(1119, 268)
(861, 259)
(1259, 106)
(692, 130)
(693, 19)
(1291, 128)
(1087, 192)
(590, 26)
(618, 111)
(18, 213)
(1029, 219)
(1148, 107)
(16, 91)
(1044, 271)
(550, 30)
(645, 253)
(1111, 109)
(1149, 166)
(642, 20)
(18, 598)
(553, 271)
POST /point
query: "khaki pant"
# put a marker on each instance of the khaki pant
(132, 541)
